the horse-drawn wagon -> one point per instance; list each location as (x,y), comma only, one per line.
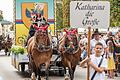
(66,54)
(43,55)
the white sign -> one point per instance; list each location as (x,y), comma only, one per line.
(84,14)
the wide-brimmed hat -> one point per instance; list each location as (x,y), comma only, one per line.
(96,33)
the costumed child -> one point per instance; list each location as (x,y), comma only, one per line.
(111,63)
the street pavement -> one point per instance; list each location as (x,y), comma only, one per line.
(8,72)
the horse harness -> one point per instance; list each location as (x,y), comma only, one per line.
(43,48)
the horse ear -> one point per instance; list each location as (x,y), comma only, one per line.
(66,31)
(46,26)
(74,31)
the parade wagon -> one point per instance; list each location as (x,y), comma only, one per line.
(36,15)
(20,59)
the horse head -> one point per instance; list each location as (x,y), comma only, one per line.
(71,42)
(41,37)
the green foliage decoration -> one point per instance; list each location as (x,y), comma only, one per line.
(18,50)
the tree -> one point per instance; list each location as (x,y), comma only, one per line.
(114,13)
(66,13)
(59,16)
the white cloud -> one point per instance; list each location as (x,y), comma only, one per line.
(7,7)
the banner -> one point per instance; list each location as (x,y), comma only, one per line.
(27,9)
(84,14)
(23,9)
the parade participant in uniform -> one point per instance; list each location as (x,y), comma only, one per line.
(97,62)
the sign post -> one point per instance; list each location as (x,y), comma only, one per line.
(89,14)
(89,37)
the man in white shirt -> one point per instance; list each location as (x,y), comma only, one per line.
(95,40)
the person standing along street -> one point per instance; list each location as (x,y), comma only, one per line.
(97,62)
(96,39)
(116,40)
(111,63)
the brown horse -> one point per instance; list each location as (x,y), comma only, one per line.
(70,51)
(40,51)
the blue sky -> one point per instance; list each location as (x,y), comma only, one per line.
(50,7)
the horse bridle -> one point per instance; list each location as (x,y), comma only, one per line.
(72,47)
(69,34)
(42,46)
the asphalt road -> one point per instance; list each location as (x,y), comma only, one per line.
(8,72)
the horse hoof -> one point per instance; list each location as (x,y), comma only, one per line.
(33,76)
(67,78)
